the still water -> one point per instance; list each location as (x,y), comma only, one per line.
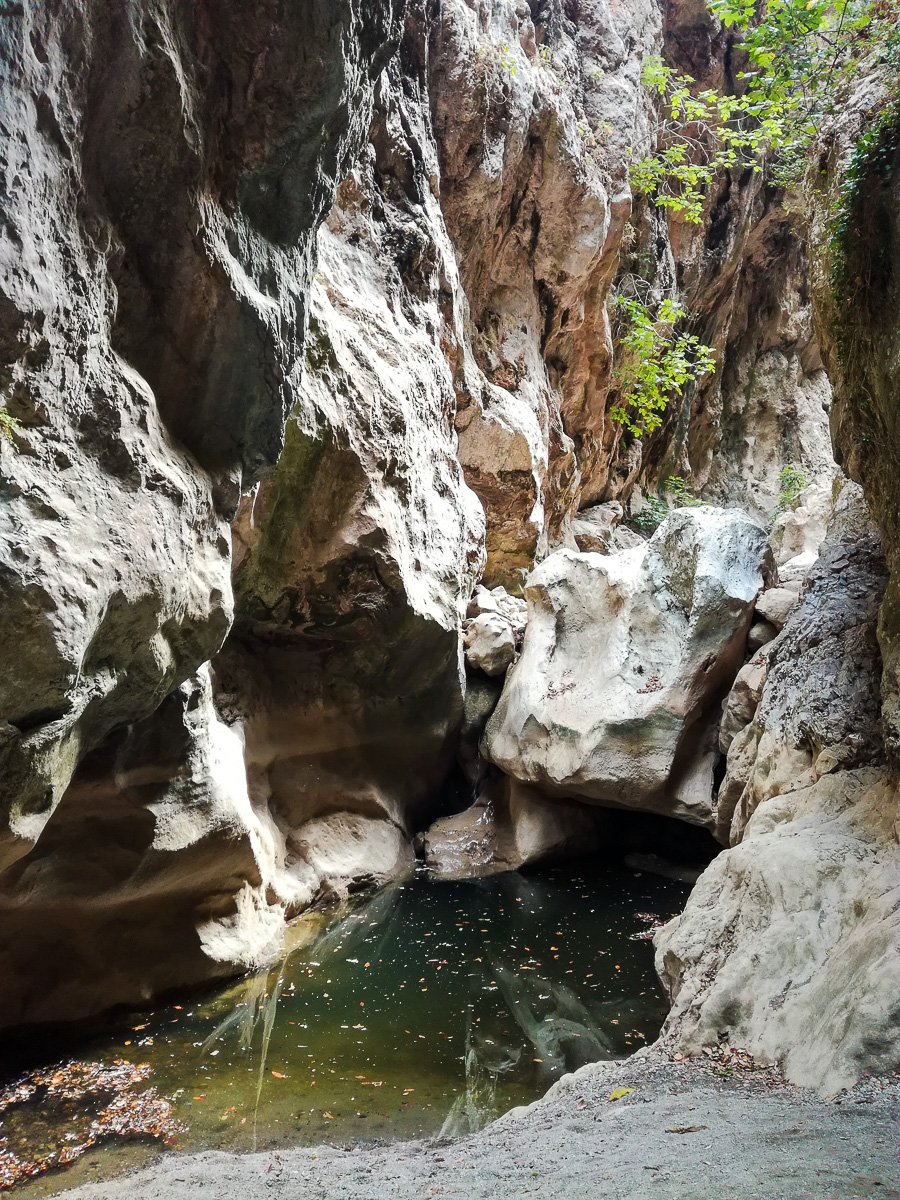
(433,1006)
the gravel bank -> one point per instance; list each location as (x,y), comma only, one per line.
(683,1133)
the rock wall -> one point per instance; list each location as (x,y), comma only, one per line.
(165,169)
(790,943)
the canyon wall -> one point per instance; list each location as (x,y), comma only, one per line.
(308,320)
(165,170)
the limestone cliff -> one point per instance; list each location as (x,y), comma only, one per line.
(165,169)
(307,315)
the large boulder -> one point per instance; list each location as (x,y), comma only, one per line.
(623,656)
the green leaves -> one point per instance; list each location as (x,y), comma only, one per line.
(8,426)
(791,483)
(700,136)
(657,363)
(804,57)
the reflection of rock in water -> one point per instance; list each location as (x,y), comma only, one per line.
(559,1035)
(487,1059)
(562,1032)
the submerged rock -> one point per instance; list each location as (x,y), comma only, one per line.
(623,655)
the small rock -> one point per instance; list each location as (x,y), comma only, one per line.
(761,633)
(490,643)
(775,605)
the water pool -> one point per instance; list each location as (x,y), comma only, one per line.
(431,1006)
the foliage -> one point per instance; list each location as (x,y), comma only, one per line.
(8,426)
(699,137)
(508,60)
(803,57)
(657,363)
(651,516)
(791,483)
(681,494)
(655,508)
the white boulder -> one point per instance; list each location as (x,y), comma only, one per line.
(623,655)
(775,605)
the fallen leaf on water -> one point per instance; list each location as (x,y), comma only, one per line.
(328,1116)
(619,1092)
(137,1027)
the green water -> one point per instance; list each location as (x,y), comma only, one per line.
(432,1006)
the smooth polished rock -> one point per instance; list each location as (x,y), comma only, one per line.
(623,655)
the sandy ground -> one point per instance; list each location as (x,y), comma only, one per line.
(684,1133)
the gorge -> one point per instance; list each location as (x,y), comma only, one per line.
(347,562)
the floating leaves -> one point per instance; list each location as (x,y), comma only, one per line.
(119,1111)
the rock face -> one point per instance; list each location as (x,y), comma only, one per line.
(131,887)
(165,169)
(355,559)
(623,656)
(789,944)
(856,294)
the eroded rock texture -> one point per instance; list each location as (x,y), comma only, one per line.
(306,338)
(355,559)
(165,168)
(789,943)
(624,657)
(856,279)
